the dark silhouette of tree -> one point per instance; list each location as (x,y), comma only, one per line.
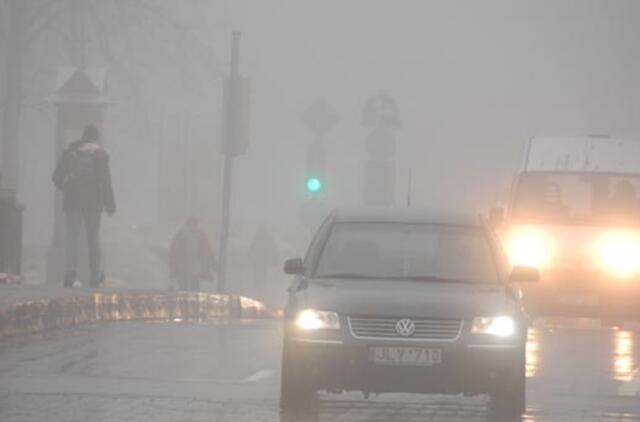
(131,38)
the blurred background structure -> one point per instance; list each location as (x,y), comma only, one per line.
(472,81)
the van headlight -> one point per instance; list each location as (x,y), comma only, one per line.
(528,247)
(619,253)
(311,320)
(499,326)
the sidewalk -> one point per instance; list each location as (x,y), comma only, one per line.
(13,294)
(26,309)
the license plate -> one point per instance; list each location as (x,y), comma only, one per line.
(578,300)
(416,356)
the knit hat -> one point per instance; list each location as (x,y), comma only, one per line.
(90,134)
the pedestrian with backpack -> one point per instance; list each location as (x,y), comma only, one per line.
(83,176)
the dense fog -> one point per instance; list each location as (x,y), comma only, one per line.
(472,82)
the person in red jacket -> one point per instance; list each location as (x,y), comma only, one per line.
(191,257)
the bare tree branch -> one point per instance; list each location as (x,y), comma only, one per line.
(132,37)
(46,23)
(42,11)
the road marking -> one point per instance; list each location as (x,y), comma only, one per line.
(259,376)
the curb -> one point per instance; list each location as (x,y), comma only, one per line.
(41,315)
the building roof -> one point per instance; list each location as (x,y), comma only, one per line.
(81,85)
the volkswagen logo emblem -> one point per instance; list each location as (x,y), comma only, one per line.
(405,328)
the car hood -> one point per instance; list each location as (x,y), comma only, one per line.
(406,298)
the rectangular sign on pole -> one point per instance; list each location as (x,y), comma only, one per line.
(237,94)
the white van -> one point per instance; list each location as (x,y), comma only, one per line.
(574,213)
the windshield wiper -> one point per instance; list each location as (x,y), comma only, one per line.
(350,275)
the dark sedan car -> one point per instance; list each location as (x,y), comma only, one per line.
(404,301)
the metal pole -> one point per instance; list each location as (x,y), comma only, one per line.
(228,165)
(409,188)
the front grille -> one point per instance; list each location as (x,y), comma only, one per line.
(385,328)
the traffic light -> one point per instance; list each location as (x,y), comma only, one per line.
(314,184)
(316,168)
(313,208)
(320,118)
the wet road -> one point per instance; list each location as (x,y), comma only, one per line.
(577,371)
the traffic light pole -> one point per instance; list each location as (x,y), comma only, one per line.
(228,167)
(224,229)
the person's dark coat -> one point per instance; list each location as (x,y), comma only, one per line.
(84,177)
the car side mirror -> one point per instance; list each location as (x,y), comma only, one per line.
(496,216)
(521,274)
(294,266)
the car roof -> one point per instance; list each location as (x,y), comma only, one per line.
(410,216)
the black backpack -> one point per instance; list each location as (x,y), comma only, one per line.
(83,170)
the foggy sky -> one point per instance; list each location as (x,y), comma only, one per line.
(473,79)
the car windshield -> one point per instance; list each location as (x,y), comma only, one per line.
(419,252)
(574,198)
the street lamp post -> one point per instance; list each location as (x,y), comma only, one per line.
(235,142)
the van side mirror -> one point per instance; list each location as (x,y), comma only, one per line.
(294,266)
(521,274)
(496,216)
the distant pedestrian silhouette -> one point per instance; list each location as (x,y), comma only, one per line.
(83,175)
(191,257)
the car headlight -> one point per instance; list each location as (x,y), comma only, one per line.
(310,320)
(528,248)
(619,253)
(500,326)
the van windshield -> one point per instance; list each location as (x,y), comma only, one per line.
(577,198)
(400,251)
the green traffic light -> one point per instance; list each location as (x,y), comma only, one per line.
(314,185)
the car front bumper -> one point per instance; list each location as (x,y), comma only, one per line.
(467,368)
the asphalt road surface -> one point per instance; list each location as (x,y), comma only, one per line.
(578,371)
